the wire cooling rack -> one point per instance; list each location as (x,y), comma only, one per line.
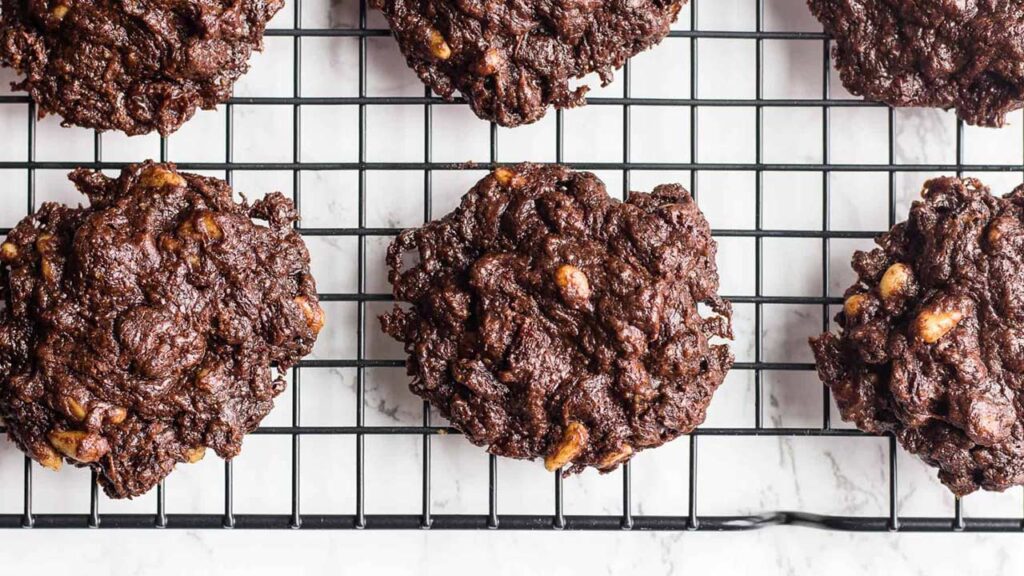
(557,518)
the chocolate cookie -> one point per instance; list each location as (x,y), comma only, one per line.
(511,60)
(549,320)
(141,330)
(130,66)
(938,53)
(931,346)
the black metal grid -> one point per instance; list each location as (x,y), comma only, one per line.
(557,519)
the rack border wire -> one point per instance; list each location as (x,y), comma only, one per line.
(558,519)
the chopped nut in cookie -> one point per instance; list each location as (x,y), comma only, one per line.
(193,455)
(504,175)
(574,440)
(573,283)
(79,445)
(8,251)
(438,47)
(158,176)
(854,304)
(897,282)
(313,313)
(616,457)
(932,324)
(48,458)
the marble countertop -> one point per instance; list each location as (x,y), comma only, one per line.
(738,475)
(781,552)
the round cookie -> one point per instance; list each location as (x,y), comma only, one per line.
(550,320)
(939,53)
(511,60)
(931,346)
(130,66)
(142,330)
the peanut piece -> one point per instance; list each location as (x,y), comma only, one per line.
(208,226)
(187,230)
(78,412)
(158,177)
(438,47)
(573,440)
(573,282)
(611,460)
(896,281)
(193,455)
(45,243)
(60,12)
(49,273)
(170,243)
(313,312)
(999,228)
(66,441)
(489,63)
(503,175)
(8,251)
(49,458)
(854,304)
(932,325)
(994,235)
(79,445)
(116,415)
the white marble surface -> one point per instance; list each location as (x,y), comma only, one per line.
(737,475)
(778,552)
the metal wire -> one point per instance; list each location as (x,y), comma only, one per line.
(558,519)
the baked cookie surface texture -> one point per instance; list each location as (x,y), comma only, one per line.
(131,66)
(549,320)
(143,329)
(931,341)
(513,59)
(936,53)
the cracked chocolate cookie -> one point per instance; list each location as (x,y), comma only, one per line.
(143,329)
(511,60)
(130,66)
(939,53)
(550,320)
(931,346)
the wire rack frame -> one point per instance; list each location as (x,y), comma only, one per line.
(557,519)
